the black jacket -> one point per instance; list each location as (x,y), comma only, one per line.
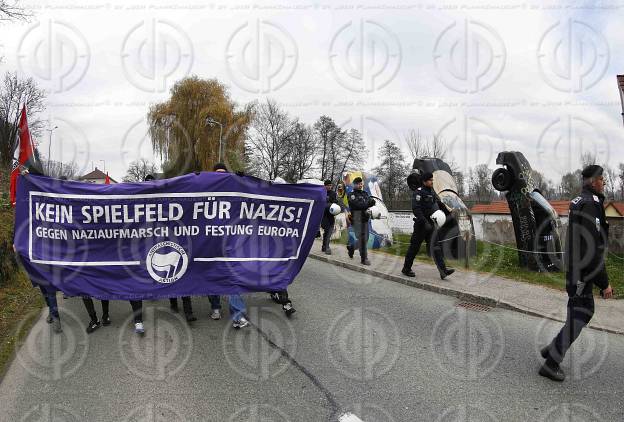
(586,244)
(329,219)
(424,203)
(359,202)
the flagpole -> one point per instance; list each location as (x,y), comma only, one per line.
(50,147)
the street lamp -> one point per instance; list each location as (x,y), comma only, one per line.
(212,122)
(50,146)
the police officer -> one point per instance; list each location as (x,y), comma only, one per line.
(424,203)
(328,221)
(359,203)
(586,245)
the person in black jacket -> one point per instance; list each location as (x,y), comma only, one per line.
(586,246)
(359,203)
(328,221)
(424,203)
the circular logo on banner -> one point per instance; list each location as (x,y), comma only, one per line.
(167,262)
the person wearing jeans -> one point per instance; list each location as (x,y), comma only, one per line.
(137,311)
(53,318)
(237,306)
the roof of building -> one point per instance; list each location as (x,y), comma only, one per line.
(619,207)
(561,207)
(96,174)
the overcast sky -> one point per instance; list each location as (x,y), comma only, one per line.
(485,76)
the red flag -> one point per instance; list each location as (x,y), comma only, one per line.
(107,180)
(26,151)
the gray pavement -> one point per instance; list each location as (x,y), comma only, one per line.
(358,343)
(479,287)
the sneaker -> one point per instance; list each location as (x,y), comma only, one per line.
(49,319)
(408,273)
(138,328)
(56,326)
(190,318)
(216,314)
(106,320)
(551,370)
(93,325)
(366,262)
(240,323)
(288,309)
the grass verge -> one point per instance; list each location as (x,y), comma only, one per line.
(503,262)
(18,300)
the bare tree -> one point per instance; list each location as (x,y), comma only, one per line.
(480,184)
(14,94)
(301,153)
(11,11)
(60,170)
(571,185)
(611,182)
(420,147)
(353,152)
(587,159)
(621,180)
(415,144)
(329,137)
(139,169)
(461,183)
(270,136)
(392,171)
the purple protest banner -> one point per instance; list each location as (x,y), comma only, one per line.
(198,234)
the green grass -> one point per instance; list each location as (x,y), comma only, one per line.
(19,301)
(503,262)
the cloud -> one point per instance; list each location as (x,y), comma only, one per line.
(381,68)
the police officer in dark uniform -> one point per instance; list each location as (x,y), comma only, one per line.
(586,245)
(424,203)
(328,221)
(359,203)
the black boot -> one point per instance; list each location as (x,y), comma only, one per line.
(551,370)
(408,272)
(350,250)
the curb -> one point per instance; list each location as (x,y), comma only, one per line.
(463,296)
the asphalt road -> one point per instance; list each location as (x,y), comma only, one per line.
(358,344)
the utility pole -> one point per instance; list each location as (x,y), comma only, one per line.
(620,81)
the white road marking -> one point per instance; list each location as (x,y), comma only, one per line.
(349,417)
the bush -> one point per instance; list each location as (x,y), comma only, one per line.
(8,264)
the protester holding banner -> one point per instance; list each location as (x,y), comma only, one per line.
(193,235)
(95,323)
(237,305)
(329,219)
(53,314)
(187,306)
